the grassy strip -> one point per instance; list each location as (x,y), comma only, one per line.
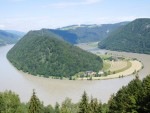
(104,57)
(93,44)
(106,66)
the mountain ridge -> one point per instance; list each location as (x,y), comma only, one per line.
(9,37)
(133,37)
(91,33)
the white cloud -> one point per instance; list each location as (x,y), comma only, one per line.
(28,23)
(92,1)
(2,27)
(106,20)
(71,4)
(35,23)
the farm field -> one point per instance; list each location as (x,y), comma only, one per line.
(117,65)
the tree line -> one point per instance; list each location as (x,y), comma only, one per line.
(133,98)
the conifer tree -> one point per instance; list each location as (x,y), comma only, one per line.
(34,104)
(95,106)
(99,109)
(145,99)
(57,109)
(84,106)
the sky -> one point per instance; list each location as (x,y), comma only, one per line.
(26,15)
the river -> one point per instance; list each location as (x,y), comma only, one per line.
(51,91)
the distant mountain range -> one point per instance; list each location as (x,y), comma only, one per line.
(125,36)
(89,33)
(133,37)
(85,33)
(9,36)
(19,33)
(44,53)
(73,34)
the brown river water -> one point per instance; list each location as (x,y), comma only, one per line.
(51,91)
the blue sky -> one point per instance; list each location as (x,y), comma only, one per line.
(25,15)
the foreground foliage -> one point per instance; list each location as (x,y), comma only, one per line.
(43,53)
(133,98)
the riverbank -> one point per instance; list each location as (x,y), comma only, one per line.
(136,67)
(121,68)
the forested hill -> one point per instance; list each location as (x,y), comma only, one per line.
(91,33)
(8,38)
(134,37)
(44,53)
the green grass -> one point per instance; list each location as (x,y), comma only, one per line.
(93,44)
(106,66)
(104,57)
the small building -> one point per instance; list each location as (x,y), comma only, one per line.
(101,72)
(91,73)
(88,73)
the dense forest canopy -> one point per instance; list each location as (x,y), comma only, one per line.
(133,37)
(44,53)
(133,98)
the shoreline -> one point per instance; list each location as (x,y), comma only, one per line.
(136,66)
